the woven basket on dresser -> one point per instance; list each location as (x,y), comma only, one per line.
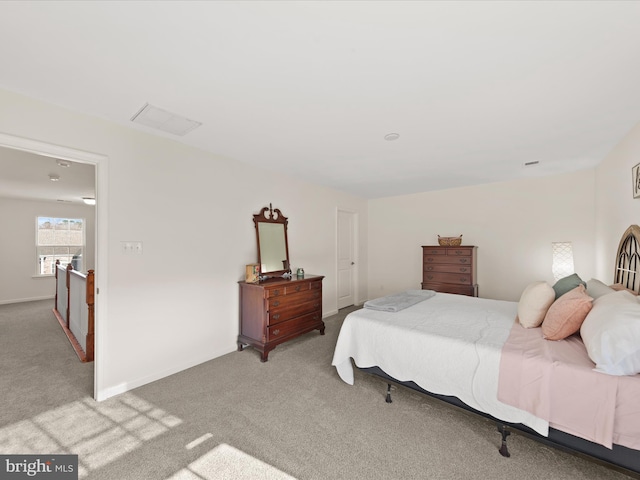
(450,241)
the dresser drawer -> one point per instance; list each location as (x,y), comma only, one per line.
(274,292)
(447,268)
(454,278)
(434,251)
(293,299)
(457,252)
(291,327)
(458,260)
(470,290)
(296,287)
(283,314)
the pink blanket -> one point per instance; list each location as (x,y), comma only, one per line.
(555,381)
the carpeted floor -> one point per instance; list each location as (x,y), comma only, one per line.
(235,417)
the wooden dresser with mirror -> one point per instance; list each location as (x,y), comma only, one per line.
(279,306)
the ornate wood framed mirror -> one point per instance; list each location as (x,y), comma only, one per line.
(273,247)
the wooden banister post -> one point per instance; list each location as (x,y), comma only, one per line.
(69,268)
(55,304)
(90,314)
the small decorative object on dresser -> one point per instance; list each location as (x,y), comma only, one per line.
(252,273)
(449,241)
(450,269)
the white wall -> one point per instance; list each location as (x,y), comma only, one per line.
(616,209)
(512,223)
(17,244)
(177,304)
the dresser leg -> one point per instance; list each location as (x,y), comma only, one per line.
(264,356)
(322,329)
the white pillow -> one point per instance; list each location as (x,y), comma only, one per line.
(596,288)
(611,334)
(534,303)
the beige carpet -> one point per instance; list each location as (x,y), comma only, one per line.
(224,462)
(289,417)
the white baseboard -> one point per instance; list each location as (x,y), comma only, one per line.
(32,299)
(108,392)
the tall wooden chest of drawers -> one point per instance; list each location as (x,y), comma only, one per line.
(450,269)
(277,310)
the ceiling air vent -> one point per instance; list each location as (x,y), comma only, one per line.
(155,117)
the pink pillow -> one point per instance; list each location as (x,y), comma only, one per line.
(566,314)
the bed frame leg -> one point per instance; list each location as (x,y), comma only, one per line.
(388,399)
(504,451)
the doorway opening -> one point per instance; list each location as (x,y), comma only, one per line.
(100,163)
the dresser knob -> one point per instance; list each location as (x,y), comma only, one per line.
(429,259)
(298,288)
(430,277)
(462,279)
(429,268)
(458,252)
(276,331)
(276,316)
(463,260)
(276,303)
(463,269)
(316,305)
(276,292)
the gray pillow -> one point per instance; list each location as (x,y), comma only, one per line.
(567,284)
(596,289)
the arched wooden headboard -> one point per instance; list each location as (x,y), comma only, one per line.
(627,272)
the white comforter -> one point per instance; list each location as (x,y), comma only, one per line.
(448,344)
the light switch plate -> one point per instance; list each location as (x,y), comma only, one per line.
(131,248)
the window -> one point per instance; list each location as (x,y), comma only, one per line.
(59,239)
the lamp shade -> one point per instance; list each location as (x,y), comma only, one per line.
(562,265)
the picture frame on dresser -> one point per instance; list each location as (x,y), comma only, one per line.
(252,273)
(450,269)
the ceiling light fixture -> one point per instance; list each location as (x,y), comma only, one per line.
(53,177)
(391,136)
(528,164)
(89,200)
(63,163)
(163,120)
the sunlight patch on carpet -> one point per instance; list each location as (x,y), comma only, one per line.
(225,462)
(98,433)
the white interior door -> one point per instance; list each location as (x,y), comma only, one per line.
(346,261)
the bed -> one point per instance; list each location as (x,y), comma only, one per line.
(477,354)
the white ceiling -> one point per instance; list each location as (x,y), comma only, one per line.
(26,176)
(474,88)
